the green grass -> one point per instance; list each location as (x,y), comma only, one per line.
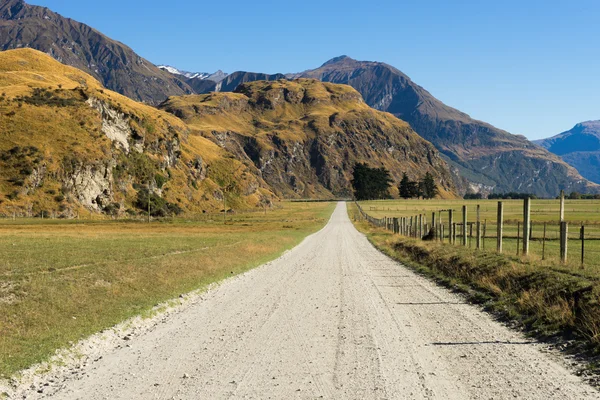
(577,213)
(61,281)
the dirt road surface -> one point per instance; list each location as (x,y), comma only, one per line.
(332,319)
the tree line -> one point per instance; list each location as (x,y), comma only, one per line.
(375,184)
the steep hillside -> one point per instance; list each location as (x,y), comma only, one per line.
(489,158)
(579,147)
(115,65)
(68,145)
(303,136)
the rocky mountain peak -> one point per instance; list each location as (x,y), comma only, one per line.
(588,127)
(10,8)
(338,60)
(579,147)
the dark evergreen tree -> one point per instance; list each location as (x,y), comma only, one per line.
(413,190)
(371,183)
(408,189)
(403,188)
(428,187)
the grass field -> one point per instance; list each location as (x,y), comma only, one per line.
(577,213)
(61,281)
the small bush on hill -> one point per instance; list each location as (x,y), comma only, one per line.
(159,207)
(43,97)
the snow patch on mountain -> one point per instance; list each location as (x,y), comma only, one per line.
(189,75)
(216,76)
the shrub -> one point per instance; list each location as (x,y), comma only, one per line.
(43,97)
(159,207)
(160,180)
(112,209)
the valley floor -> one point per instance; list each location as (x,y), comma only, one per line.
(333,318)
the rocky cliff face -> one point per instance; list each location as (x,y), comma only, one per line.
(579,147)
(303,137)
(486,158)
(67,144)
(115,65)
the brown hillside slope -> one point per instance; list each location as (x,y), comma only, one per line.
(489,158)
(304,136)
(67,144)
(117,66)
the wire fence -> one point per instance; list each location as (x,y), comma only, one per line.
(568,242)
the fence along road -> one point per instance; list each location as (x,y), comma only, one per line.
(336,319)
(523,230)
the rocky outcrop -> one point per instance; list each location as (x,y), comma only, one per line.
(91,185)
(115,125)
(77,145)
(304,137)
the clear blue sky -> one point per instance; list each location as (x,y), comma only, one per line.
(530,67)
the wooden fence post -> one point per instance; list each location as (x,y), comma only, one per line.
(470,234)
(484,232)
(499,226)
(454,233)
(464,226)
(564,231)
(544,243)
(441,224)
(562,205)
(450,223)
(526,225)
(518,235)
(433,225)
(478,240)
(582,246)
(416,232)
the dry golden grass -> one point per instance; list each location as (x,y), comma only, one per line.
(230,111)
(75,132)
(61,281)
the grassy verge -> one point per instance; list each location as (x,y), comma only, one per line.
(547,300)
(543,212)
(61,282)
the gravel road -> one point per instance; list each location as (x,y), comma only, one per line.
(334,319)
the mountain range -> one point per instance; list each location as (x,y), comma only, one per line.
(580,147)
(214,77)
(482,158)
(68,145)
(486,158)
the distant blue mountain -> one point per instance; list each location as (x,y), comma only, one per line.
(579,147)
